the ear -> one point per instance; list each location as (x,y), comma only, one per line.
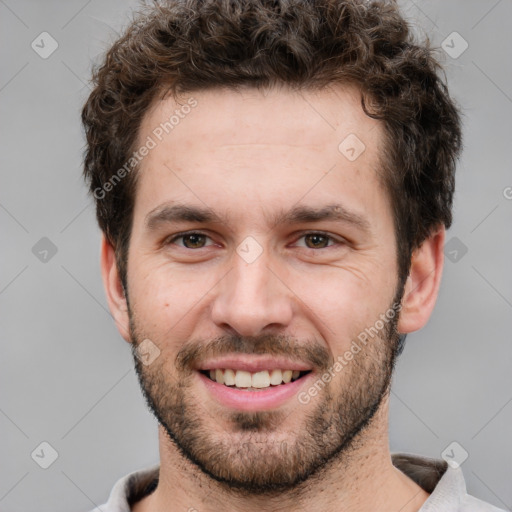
(114,289)
(422,286)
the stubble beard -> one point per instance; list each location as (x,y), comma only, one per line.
(256,455)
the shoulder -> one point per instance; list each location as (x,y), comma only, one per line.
(444,482)
(129,489)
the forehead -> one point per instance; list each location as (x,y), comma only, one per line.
(269,116)
(259,143)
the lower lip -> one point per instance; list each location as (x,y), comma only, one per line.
(263,400)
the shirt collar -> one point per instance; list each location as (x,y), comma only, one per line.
(444,483)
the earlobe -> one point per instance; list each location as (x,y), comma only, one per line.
(113,289)
(422,286)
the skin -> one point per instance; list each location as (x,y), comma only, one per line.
(249,156)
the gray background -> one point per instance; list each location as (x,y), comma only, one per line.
(66,376)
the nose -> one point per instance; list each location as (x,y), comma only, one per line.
(252,299)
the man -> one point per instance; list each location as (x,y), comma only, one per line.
(273,180)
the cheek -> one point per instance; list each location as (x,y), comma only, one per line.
(167,300)
(173,302)
(340,303)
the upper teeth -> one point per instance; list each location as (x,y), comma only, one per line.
(244,379)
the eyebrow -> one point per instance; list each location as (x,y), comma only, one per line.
(169,213)
(333,212)
(173,213)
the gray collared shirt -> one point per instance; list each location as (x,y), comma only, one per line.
(445,484)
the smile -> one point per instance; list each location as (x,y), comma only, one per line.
(248,383)
(253,381)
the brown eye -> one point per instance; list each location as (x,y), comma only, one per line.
(317,240)
(194,241)
(190,240)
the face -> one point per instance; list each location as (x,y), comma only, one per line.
(262,254)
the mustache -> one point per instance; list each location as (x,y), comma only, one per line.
(195,352)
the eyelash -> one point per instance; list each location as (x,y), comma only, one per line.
(171,240)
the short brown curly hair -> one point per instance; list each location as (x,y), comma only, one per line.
(182,46)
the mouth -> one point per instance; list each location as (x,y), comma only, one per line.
(253,384)
(253,381)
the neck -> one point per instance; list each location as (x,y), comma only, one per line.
(363,478)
